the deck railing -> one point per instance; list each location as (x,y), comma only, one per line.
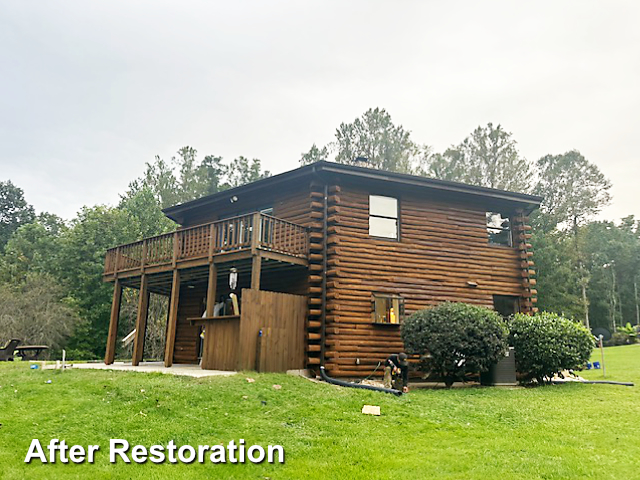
(204,241)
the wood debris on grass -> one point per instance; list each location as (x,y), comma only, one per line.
(567,376)
(372,383)
(371,410)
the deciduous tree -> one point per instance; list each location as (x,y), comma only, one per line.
(315,154)
(81,256)
(14,210)
(37,311)
(574,190)
(488,157)
(33,248)
(373,141)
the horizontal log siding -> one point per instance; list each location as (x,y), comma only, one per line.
(291,204)
(188,336)
(442,246)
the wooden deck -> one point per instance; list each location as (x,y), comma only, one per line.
(222,241)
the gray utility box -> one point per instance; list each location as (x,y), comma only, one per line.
(502,373)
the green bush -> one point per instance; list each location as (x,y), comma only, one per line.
(546,344)
(629,331)
(459,339)
(620,338)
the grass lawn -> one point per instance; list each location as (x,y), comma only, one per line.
(563,431)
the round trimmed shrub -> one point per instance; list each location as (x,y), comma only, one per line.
(546,344)
(458,338)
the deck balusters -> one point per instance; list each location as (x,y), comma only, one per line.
(202,241)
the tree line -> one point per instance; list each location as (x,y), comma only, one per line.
(51,288)
(587,269)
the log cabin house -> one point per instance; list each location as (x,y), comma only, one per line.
(328,259)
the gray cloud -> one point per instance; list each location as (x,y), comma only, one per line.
(92,90)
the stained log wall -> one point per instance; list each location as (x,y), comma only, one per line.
(290,204)
(442,247)
(187,343)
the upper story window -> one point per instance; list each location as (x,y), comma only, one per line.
(383,216)
(499,229)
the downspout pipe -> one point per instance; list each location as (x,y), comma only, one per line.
(594,382)
(335,381)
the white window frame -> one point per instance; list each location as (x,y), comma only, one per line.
(396,218)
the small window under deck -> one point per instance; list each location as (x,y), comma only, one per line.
(387,309)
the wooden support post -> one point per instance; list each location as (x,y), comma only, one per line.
(117,260)
(212,240)
(113,323)
(143,260)
(174,259)
(141,321)
(256,233)
(211,301)
(211,288)
(256,268)
(173,319)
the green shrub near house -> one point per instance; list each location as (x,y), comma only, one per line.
(624,335)
(546,344)
(458,337)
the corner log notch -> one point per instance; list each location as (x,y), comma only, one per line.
(522,237)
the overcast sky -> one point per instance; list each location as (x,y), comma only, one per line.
(90,91)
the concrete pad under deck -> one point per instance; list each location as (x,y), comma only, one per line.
(150,367)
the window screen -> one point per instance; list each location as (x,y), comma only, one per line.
(383,216)
(388,309)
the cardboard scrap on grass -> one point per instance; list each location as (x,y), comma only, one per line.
(371,410)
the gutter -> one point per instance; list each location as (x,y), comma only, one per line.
(433,183)
(526,201)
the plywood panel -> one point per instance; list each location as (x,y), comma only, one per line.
(221,341)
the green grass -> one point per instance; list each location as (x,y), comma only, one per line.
(564,431)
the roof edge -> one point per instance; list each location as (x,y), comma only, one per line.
(531,201)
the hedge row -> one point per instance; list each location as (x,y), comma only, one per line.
(461,338)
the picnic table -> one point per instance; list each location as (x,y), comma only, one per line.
(6,352)
(31,352)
